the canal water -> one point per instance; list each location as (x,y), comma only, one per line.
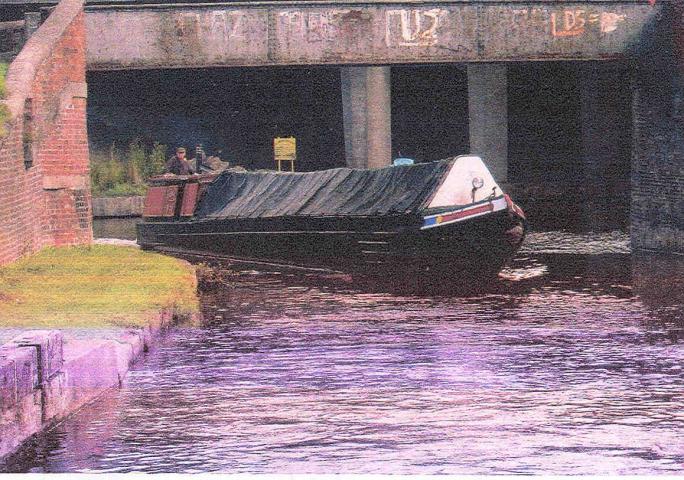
(571,363)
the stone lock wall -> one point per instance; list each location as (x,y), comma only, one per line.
(44,175)
(45,376)
(109,207)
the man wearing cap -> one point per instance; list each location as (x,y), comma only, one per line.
(178,164)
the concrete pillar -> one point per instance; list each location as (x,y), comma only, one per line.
(488,116)
(366,107)
(657,203)
(657,194)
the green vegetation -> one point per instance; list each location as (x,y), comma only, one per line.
(117,174)
(4,112)
(3,73)
(93,286)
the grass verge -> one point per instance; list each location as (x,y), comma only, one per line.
(4,111)
(93,286)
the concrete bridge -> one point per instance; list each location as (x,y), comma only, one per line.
(366,39)
(348,33)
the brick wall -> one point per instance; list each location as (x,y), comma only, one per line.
(657,206)
(47,202)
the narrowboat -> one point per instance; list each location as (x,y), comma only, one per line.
(447,218)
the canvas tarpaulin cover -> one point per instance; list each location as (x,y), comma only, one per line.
(341,191)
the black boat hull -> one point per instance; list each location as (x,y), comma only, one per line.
(387,246)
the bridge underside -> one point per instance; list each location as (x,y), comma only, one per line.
(563,127)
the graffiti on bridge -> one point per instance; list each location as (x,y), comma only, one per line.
(575,22)
(412,28)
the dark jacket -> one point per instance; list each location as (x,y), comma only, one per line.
(179,167)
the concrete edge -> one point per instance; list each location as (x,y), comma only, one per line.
(43,380)
(38,48)
(113,207)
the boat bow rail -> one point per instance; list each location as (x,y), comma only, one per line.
(465,213)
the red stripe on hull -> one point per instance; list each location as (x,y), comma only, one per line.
(466,213)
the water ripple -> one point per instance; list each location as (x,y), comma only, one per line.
(574,370)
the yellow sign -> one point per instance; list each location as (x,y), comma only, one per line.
(285,148)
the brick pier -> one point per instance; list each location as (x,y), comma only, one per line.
(44,175)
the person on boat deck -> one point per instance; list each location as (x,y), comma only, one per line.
(178,164)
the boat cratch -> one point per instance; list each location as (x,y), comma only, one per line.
(446,218)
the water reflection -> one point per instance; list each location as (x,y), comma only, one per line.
(570,364)
(659,284)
